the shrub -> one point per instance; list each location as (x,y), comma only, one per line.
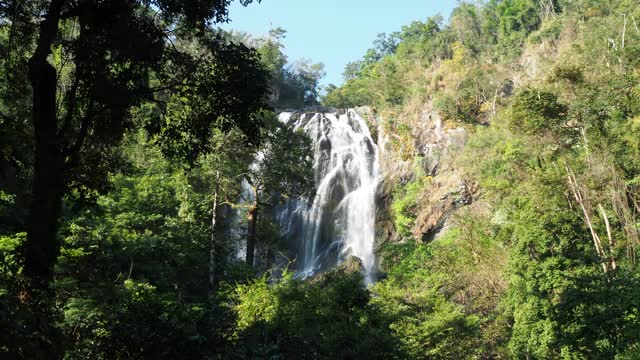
(536,111)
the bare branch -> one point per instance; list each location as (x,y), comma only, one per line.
(624,30)
(575,188)
(611,241)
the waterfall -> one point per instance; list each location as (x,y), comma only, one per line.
(339,220)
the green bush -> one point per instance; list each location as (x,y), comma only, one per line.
(323,318)
(550,30)
(536,111)
(426,323)
(406,199)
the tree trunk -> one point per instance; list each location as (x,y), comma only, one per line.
(41,248)
(213,244)
(252,218)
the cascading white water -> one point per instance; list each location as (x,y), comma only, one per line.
(339,221)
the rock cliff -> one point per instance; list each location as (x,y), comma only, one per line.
(435,144)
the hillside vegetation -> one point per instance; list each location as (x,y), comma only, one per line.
(543,263)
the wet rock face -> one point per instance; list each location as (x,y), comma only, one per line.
(449,189)
(448,193)
(352,265)
(437,144)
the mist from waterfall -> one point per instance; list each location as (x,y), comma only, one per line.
(339,220)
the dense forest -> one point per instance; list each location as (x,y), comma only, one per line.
(142,160)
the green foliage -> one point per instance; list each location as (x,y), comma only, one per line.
(301,84)
(325,318)
(282,165)
(377,79)
(406,199)
(292,85)
(422,318)
(549,30)
(558,292)
(609,111)
(185,122)
(463,104)
(21,330)
(15,129)
(271,52)
(573,74)
(404,206)
(9,266)
(282,168)
(517,19)
(535,111)
(133,321)
(118,299)
(352,93)
(79,71)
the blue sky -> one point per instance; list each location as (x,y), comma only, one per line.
(333,32)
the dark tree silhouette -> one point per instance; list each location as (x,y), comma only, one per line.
(123,53)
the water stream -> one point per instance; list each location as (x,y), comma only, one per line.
(338,222)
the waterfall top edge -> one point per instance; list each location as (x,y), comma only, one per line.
(325,109)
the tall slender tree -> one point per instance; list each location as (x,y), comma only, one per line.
(283,166)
